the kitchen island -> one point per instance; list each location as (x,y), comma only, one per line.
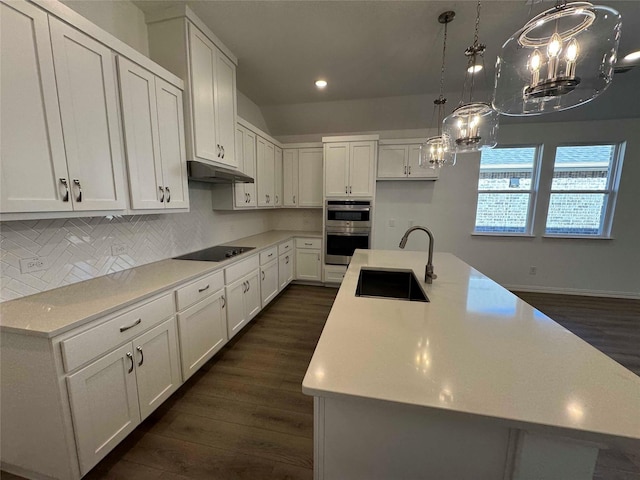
(475,384)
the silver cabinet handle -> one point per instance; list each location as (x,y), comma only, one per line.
(248,286)
(76,182)
(276,198)
(64,183)
(246,198)
(249,197)
(287,259)
(270,255)
(224,302)
(308,244)
(168,194)
(409,169)
(405,169)
(139,349)
(222,151)
(200,290)
(244,287)
(294,199)
(137,322)
(161,191)
(131,359)
(346,189)
(218,145)
(263,275)
(318,257)
(350,192)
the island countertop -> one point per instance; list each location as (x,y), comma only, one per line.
(475,348)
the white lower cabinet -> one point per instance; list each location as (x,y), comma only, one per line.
(110,396)
(269,281)
(243,302)
(203,332)
(285,270)
(308,259)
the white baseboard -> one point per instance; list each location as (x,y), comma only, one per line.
(573,291)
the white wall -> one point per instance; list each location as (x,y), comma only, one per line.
(120,18)
(251,112)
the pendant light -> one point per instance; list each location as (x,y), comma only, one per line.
(560,59)
(472,126)
(434,153)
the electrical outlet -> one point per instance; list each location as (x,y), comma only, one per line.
(392,222)
(33,264)
(533,270)
(119,249)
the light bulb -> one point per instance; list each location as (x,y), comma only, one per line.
(572,51)
(535,61)
(555,45)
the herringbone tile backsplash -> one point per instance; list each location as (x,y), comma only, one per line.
(77,249)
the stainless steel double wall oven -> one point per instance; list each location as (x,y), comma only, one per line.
(347,227)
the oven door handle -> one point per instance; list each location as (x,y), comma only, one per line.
(348,234)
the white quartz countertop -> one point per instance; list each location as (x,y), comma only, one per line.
(475,348)
(56,311)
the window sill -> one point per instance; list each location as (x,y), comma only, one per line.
(501,234)
(579,237)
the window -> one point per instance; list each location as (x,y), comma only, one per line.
(506,190)
(585,180)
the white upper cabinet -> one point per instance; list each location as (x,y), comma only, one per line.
(265,177)
(85,77)
(32,156)
(277,180)
(245,193)
(310,177)
(290,177)
(399,160)
(213,100)
(350,168)
(154,139)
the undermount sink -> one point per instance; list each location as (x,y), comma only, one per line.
(390,283)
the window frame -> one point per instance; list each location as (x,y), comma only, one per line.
(532,192)
(611,191)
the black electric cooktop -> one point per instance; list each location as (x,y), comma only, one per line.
(215,254)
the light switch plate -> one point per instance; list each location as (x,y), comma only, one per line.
(33,264)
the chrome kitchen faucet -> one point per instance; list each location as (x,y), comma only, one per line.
(429,276)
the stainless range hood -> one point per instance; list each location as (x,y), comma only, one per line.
(203,172)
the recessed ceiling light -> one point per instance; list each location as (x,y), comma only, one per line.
(474,68)
(321,83)
(632,56)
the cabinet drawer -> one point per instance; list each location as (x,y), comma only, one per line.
(285,247)
(201,288)
(88,345)
(234,272)
(308,243)
(268,255)
(334,273)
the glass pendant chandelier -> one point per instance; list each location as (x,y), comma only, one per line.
(560,59)
(472,126)
(434,153)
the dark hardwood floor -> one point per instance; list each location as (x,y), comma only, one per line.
(243,416)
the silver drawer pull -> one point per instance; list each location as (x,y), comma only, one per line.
(200,290)
(168,194)
(64,183)
(161,191)
(224,302)
(308,244)
(263,275)
(131,359)
(270,255)
(76,182)
(137,322)
(139,348)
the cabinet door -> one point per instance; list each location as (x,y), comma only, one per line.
(140,118)
(104,405)
(240,199)
(269,282)
(249,149)
(285,270)
(203,332)
(290,177)
(361,169)
(172,148)
(202,63)
(265,177)
(336,169)
(157,366)
(277,173)
(85,76)
(310,178)
(236,316)
(252,296)
(392,161)
(225,101)
(32,155)
(308,265)
(414,170)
